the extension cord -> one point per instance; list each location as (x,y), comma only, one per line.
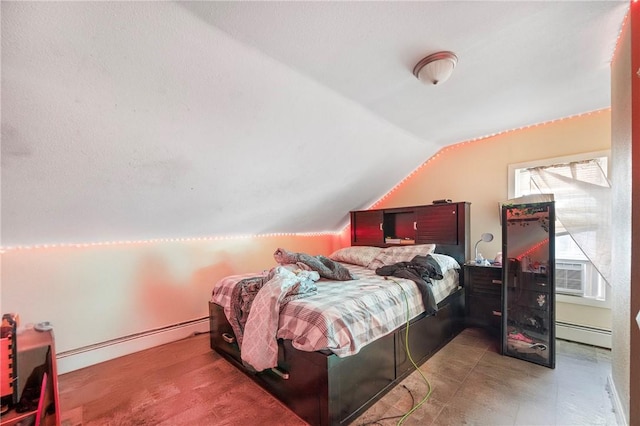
(406,343)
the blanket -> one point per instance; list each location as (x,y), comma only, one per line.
(260,348)
(245,291)
(256,301)
(421,270)
(324,266)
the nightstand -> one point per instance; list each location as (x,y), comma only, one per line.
(483,288)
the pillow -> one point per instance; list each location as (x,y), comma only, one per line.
(356,255)
(391,255)
(445,262)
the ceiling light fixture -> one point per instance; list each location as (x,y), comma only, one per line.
(436,68)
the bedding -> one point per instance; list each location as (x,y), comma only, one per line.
(344,316)
(396,254)
(326,267)
(356,255)
(292,283)
(260,350)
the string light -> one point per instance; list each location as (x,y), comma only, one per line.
(440,152)
(533,249)
(619,37)
(458,145)
(168,240)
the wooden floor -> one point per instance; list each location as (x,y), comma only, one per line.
(185,383)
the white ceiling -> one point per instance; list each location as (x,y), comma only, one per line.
(136,120)
(519,62)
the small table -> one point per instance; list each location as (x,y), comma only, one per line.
(483,288)
(36,348)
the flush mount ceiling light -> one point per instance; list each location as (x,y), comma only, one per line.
(435,68)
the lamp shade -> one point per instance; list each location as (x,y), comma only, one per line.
(486,237)
(436,68)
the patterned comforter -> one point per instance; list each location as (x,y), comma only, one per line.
(344,316)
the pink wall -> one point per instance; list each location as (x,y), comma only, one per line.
(98,293)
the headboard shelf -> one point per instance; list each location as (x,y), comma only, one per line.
(446,225)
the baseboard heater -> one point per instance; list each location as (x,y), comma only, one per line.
(84,356)
(583,334)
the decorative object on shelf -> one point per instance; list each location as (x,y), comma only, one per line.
(528,320)
(43,326)
(436,68)
(486,237)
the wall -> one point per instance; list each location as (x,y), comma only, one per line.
(634,352)
(625,90)
(476,171)
(621,154)
(96,294)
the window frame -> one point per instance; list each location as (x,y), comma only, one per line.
(511,189)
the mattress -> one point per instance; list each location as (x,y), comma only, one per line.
(344,316)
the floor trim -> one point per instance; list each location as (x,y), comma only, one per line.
(583,334)
(85,356)
(615,399)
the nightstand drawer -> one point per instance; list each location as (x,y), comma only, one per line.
(483,286)
(484,280)
(486,312)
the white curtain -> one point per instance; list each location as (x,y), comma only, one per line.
(582,196)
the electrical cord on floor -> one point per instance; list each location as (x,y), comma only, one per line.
(406,345)
(414,406)
(377,421)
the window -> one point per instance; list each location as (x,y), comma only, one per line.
(576,275)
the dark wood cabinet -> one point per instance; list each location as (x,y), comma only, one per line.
(366,228)
(36,362)
(412,225)
(432,221)
(483,287)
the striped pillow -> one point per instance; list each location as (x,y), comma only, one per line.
(391,255)
(356,255)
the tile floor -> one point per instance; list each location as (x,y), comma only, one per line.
(472,384)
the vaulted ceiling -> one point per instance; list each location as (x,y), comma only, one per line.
(138,120)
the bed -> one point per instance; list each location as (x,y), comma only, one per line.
(333,381)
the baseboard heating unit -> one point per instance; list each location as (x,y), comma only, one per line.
(583,334)
(99,352)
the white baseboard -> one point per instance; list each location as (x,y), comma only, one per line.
(615,399)
(83,357)
(582,334)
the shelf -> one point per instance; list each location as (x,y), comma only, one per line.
(529,296)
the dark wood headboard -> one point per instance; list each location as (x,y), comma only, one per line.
(445,225)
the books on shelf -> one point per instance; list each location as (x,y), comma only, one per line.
(399,241)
